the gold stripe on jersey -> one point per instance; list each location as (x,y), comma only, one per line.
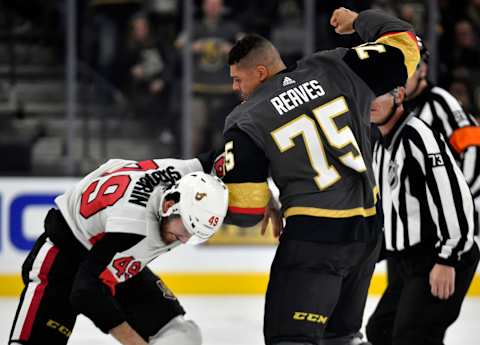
(331,213)
(407,43)
(248,195)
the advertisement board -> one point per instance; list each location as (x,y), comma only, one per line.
(235,261)
(24,202)
(23,206)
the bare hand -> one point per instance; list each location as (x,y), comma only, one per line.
(156,86)
(272,212)
(126,335)
(198,46)
(225,47)
(137,71)
(342,20)
(442,281)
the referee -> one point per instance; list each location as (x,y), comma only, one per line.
(429,225)
(440,110)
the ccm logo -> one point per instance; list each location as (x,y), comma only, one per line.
(62,329)
(303,316)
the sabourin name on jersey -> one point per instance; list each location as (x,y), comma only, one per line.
(297,95)
(145,185)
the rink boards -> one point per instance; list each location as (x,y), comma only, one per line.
(236,262)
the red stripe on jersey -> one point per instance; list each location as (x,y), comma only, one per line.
(241,210)
(96,238)
(139,166)
(38,294)
(109,280)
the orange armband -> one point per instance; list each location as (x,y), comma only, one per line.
(464,137)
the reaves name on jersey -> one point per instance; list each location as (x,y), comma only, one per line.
(297,96)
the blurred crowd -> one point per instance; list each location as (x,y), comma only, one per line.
(140,50)
(458,54)
(136,45)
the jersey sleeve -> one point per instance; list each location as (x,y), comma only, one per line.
(453,118)
(119,224)
(90,296)
(245,170)
(463,134)
(390,55)
(179,167)
(471,158)
(463,138)
(207,159)
(128,263)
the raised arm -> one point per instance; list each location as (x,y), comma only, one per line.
(391,53)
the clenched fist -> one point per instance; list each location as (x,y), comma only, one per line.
(342,20)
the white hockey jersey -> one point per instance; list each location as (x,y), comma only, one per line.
(124,196)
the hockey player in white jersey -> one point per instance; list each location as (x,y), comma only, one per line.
(92,257)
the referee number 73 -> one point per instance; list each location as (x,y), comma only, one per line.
(436,160)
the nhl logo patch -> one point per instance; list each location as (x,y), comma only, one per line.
(393,174)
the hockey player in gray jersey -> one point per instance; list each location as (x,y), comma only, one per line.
(92,258)
(308,125)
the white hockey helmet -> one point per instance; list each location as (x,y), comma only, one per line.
(202,204)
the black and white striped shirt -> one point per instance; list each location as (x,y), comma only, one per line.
(425,198)
(444,114)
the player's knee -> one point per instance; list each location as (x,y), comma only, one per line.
(178,331)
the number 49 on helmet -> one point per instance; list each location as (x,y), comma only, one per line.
(202,204)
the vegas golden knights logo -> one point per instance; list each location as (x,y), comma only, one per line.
(199,196)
